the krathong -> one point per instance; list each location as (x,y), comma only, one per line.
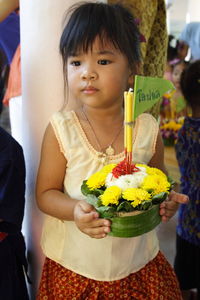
(169,130)
(128,194)
(122,197)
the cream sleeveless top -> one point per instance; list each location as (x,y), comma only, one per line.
(110,258)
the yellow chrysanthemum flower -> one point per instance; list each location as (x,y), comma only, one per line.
(151,170)
(111,195)
(96,180)
(107,169)
(156,183)
(155,171)
(136,195)
(171,125)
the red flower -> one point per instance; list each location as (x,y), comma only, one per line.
(123,168)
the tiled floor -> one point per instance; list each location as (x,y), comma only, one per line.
(167,238)
(167,231)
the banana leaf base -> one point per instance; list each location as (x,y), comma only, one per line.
(127,225)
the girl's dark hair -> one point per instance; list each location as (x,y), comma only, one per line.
(190,83)
(109,22)
(172,49)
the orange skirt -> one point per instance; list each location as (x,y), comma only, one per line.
(156,281)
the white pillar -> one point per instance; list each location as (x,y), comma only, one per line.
(42,94)
(193,10)
(177,16)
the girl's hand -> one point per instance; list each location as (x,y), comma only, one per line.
(169,207)
(88,221)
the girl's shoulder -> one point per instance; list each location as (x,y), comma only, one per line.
(62,115)
(147,119)
(62,121)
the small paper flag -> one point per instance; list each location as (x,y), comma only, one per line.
(148,91)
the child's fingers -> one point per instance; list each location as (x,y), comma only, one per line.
(169,207)
(84,210)
(168,210)
(88,221)
(177,197)
(97,232)
(96,228)
(86,207)
(92,220)
(86,213)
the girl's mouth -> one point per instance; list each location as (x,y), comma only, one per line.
(89,90)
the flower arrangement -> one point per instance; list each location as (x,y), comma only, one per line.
(128,194)
(116,194)
(169,130)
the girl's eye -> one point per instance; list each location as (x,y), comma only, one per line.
(75,63)
(104,62)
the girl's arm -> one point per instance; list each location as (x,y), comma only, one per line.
(49,186)
(49,191)
(169,207)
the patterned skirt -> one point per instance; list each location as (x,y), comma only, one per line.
(156,281)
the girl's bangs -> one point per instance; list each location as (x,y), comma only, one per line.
(82,41)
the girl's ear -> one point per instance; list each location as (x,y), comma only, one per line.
(131,80)
(137,70)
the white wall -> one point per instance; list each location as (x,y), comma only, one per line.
(42,93)
(180,13)
(177,16)
(194,10)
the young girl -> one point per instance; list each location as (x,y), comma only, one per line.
(100,50)
(178,104)
(172,56)
(174,105)
(187,262)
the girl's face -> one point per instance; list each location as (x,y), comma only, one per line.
(176,75)
(99,77)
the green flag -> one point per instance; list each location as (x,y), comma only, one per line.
(147,91)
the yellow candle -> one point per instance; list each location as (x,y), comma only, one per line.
(129,106)
(129,132)
(125,121)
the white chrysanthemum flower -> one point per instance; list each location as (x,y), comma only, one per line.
(143,169)
(127,181)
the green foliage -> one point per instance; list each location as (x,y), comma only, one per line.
(146,205)
(93,200)
(159,198)
(172,182)
(106,211)
(125,206)
(85,189)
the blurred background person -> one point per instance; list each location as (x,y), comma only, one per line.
(172,56)
(10,40)
(189,39)
(187,260)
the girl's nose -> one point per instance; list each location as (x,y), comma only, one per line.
(89,75)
